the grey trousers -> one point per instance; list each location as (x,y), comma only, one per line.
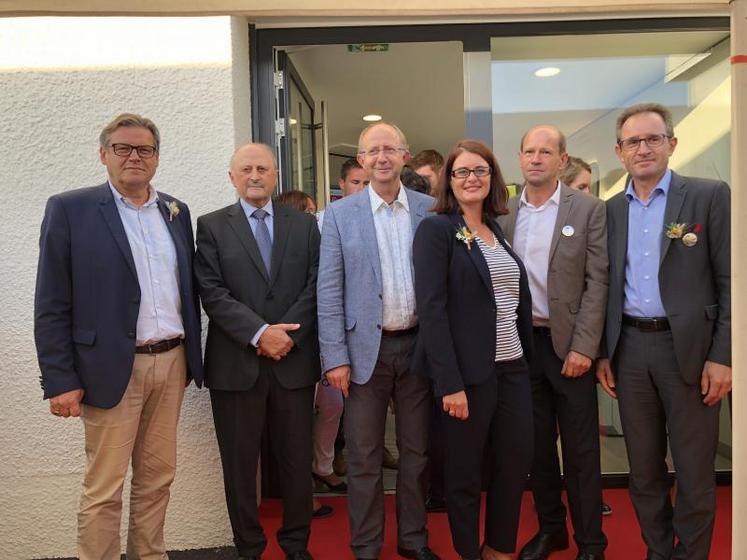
(655,402)
(364,423)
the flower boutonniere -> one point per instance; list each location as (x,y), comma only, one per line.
(466,236)
(174,210)
(686,232)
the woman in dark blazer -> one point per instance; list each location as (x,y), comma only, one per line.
(474,312)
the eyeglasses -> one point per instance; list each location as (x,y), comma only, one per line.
(386,150)
(463,172)
(652,141)
(124,150)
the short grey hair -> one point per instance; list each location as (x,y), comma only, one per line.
(127,120)
(663,112)
(394,127)
(255,144)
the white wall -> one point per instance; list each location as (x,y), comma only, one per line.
(61,81)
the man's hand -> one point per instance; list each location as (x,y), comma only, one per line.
(575,365)
(455,405)
(605,377)
(66,404)
(715,382)
(275,342)
(339,377)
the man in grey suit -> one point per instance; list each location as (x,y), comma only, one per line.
(367,332)
(560,234)
(668,332)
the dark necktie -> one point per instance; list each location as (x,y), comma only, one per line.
(262,236)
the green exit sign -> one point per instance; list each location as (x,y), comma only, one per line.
(368,47)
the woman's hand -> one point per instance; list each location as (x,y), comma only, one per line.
(456,405)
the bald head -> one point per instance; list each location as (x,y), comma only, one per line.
(554,130)
(379,125)
(254,173)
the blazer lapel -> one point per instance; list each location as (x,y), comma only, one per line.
(368,230)
(417,212)
(675,199)
(182,255)
(281,228)
(620,209)
(240,225)
(564,210)
(111,216)
(473,251)
(513,210)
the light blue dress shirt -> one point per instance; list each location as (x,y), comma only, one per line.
(269,220)
(645,231)
(159,317)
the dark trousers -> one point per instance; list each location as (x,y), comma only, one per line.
(436,452)
(500,415)
(654,400)
(239,418)
(569,404)
(365,424)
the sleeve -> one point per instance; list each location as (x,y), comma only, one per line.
(719,247)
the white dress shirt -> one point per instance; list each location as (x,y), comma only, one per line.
(160,314)
(394,239)
(532,239)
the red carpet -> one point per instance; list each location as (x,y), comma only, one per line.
(330,537)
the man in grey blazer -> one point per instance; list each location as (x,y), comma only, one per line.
(367,332)
(668,332)
(560,235)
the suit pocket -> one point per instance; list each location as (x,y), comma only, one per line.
(711,312)
(83,336)
(349,324)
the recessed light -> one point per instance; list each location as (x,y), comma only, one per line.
(292,121)
(371,118)
(547,72)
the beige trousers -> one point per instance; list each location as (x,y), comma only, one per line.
(141,428)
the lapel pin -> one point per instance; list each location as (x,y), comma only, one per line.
(568,231)
(689,239)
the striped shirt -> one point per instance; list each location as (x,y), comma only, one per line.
(504,275)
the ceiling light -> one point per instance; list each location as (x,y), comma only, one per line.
(293,121)
(547,72)
(371,118)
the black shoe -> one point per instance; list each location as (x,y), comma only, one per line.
(434,504)
(424,553)
(542,544)
(250,557)
(590,556)
(339,488)
(606,509)
(299,555)
(322,511)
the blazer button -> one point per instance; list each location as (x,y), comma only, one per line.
(380,296)
(130,335)
(378,327)
(136,300)
(270,295)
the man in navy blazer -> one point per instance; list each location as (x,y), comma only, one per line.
(367,333)
(117,332)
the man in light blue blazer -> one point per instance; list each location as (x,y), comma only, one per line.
(367,333)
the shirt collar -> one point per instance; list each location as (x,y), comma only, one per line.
(554,199)
(661,188)
(377,201)
(249,209)
(152,199)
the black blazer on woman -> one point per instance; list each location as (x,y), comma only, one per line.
(456,306)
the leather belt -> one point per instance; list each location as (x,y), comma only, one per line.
(158,347)
(647,324)
(539,329)
(402,332)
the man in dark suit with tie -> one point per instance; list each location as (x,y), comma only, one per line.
(560,236)
(668,331)
(117,329)
(256,267)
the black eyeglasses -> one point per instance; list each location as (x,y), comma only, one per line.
(652,141)
(463,172)
(124,150)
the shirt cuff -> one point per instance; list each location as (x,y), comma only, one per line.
(260,332)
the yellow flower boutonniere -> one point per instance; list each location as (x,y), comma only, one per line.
(173,210)
(686,232)
(466,236)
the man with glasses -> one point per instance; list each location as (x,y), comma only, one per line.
(367,332)
(668,332)
(560,235)
(117,331)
